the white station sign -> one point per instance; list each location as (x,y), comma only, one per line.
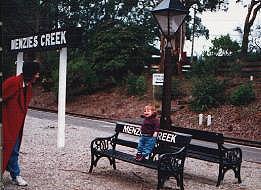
(157,79)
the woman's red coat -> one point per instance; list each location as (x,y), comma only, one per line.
(14,112)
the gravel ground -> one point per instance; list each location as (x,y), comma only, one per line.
(47,168)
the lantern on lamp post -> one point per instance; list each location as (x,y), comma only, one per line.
(169,14)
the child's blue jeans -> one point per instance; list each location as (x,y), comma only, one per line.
(13,166)
(146,145)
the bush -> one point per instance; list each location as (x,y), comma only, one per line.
(207,93)
(136,85)
(234,69)
(242,95)
(141,86)
(204,68)
(216,66)
(131,84)
(224,46)
(81,78)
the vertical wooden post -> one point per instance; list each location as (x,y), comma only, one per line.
(200,119)
(62,98)
(19,63)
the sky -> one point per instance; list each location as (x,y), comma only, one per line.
(220,23)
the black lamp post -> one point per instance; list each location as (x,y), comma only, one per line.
(170,15)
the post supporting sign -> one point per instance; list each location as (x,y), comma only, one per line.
(62,98)
(19,63)
(58,39)
(157,83)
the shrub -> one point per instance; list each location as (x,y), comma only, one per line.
(141,86)
(207,93)
(204,68)
(234,69)
(81,78)
(224,46)
(131,84)
(136,85)
(242,95)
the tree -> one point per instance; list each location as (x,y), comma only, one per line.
(118,50)
(224,46)
(253,9)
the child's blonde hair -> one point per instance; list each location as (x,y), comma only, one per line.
(152,107)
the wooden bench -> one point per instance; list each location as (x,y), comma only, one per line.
(209,146)
(167,158)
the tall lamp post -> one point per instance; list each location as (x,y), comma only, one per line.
(169,14)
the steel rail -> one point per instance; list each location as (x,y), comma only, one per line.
(226,138)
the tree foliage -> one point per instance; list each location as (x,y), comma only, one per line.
(119,35)
(224,46)
(207,93)
(118,50)
(242,95)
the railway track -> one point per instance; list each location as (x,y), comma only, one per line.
(232,140)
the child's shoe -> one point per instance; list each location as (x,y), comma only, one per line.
(139,157)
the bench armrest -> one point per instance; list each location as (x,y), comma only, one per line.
(103,143)
(231,155)
(172,162)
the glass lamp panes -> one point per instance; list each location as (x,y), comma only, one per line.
(174,22)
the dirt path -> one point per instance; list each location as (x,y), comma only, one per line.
(47,168)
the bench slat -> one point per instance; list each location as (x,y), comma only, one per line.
(202,135)
(126,143)
(129,158)
(201,156)
(204,149)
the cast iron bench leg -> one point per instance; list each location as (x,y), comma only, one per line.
(220,174)
(112,162)
(181,181)
(237,173)
(92,160)
(161,181)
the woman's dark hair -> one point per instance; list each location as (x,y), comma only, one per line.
(30,68)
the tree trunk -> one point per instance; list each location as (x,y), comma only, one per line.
(253,8)
(245,40)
